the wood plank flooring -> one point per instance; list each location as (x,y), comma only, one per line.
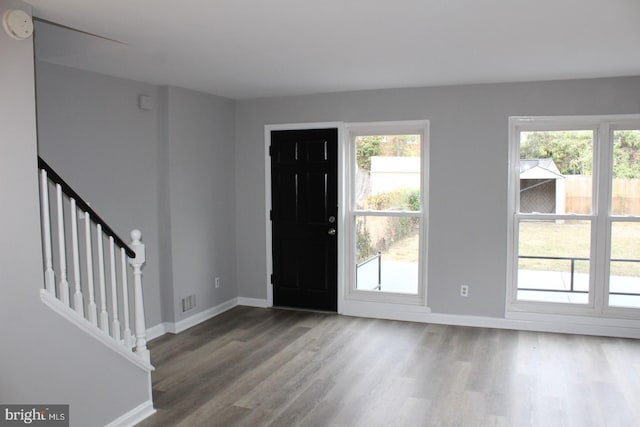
(264,367)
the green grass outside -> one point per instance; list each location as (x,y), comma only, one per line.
(572,239)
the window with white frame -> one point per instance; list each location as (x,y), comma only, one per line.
(388,207)
(574,222)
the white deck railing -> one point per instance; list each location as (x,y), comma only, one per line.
(85,246)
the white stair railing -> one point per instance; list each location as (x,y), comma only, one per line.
(114,316)
(137,263)
(49,276)
(78,303)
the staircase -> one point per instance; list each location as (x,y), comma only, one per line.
(88,269)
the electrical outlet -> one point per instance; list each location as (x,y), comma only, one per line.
(217,282)
(464,290)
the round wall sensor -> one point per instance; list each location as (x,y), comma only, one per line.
(17,24)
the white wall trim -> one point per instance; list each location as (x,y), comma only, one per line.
(175,328)
(386,310)
(134,416)
(157,331)
(84,325)
(252,302)
(189,322)
(581,325)
(619,328)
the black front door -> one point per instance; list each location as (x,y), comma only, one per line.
(304,200)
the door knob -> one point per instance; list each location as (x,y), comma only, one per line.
(331,232)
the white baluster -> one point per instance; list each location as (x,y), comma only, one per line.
(93,314)
(115,323)
(128,343)
(78,303)
(64,285)
(136,263)
(104,316)
(49,276)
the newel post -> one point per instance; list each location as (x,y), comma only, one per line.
(136,263)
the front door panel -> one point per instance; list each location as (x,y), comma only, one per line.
(304,198)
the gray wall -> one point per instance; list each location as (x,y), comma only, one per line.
(44,359)
(200,154)
(168,172)
(197,221)
(468,161)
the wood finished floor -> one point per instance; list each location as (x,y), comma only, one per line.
(262,367)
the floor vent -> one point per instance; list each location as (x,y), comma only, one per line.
(188,303)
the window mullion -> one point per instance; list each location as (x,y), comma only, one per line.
(553,217)
(601,240)
(416,214)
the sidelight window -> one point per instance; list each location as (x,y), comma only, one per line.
(388,210)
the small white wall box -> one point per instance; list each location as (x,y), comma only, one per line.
(145,102)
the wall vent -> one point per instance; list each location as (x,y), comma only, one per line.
(188,303)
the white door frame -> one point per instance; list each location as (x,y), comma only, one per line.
(341,201)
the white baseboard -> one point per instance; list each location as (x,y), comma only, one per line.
(134,416)
(618,328)
(252,302)
(184,324)
(157,331)
(191,321)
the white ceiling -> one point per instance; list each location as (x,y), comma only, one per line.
(258,48)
